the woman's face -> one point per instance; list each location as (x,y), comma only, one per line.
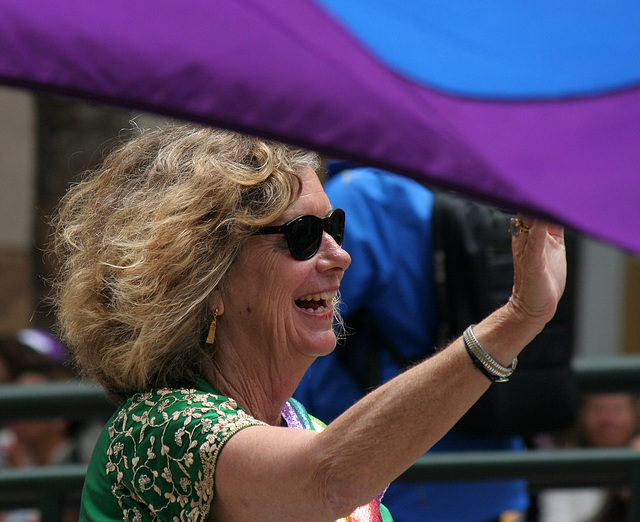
(273,298)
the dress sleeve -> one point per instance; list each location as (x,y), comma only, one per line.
(163,452)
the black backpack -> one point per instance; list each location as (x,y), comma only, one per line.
(473,273)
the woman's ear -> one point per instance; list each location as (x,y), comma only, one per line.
(215,301)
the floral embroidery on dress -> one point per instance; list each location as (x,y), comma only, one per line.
(163,451)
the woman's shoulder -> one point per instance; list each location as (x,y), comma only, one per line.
(181,407)
(161,446)
(168,399)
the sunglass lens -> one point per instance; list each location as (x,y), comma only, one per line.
(305,237)
(335,226)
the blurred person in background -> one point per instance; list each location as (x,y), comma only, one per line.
(35,357)
(609,420)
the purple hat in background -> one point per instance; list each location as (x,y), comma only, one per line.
(43,342)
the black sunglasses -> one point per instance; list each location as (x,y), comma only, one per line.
(304,233)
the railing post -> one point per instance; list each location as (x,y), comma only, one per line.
(634,495)
(52,506)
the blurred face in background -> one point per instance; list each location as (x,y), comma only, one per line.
(609,420)
(36,440)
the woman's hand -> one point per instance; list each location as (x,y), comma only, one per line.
(540,268)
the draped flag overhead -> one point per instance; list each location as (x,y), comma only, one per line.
(529,105)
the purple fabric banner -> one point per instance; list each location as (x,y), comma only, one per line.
(288,70)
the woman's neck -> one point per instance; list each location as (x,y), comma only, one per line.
(260,389)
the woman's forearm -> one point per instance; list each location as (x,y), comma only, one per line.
(383,434)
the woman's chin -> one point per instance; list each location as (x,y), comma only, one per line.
(321,344)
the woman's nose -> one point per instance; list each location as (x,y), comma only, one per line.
(334,255)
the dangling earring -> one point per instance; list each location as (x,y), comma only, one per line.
(212,328)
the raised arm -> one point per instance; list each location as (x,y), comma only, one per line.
(285,474)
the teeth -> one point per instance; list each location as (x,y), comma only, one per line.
(319,297)
(320,309)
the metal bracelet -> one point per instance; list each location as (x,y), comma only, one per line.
(498,372)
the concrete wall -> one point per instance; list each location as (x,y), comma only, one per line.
(600,300)
(17,197)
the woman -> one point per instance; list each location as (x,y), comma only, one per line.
(199,282)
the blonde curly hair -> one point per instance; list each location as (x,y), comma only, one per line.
(145,238)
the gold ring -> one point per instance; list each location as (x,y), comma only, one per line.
(517,227)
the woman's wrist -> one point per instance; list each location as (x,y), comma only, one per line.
(506,332)
(519,317)
(491,368)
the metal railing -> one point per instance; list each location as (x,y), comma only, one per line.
(53,488)
(610,468)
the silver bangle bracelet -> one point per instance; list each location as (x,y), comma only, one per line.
(487,364)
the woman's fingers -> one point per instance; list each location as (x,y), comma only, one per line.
(539,265)
(519,225)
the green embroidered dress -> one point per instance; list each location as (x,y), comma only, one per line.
(155,460)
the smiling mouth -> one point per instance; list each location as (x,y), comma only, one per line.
(317,303)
